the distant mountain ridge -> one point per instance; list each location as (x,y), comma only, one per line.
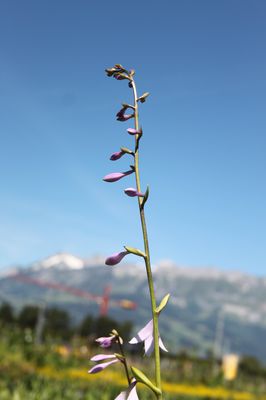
(199,298)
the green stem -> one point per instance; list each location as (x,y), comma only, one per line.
(147,252)
(124,360)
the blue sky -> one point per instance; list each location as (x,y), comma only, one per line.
(203,149)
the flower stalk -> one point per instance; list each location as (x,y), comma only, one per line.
(120,344)
(149,334)
(147,250)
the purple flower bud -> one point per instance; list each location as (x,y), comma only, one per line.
(121,112)
(131,192)
(121,116)
(125,117)
(115,176)
(132,131)
(106,341)
(118,77)
(117,155)
(102,357)
(115,258)
(99,367)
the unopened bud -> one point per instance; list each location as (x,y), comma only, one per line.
(115,258)
(133,131)
(132,192)
(143,98)
(115,156)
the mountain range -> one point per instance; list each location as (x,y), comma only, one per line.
(209,309)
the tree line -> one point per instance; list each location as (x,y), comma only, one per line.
(54,322)
(57,324)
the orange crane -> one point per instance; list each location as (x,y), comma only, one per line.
(104,301)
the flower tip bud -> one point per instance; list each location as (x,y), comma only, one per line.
(119,77)
(121,116)
(105,341)
(133,131)
(132,192)
(117,155)
(115,176)
(115,258)
(125,117)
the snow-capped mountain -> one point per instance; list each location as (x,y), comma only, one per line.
(60,261)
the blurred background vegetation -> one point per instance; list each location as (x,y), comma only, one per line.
(44,356)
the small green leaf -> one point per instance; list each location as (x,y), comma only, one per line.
(146,196)
(110,71)
(141,377)
(126,150)
(119,356)
(143,98)
(137,252)
(163,303)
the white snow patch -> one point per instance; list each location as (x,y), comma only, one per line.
(68,260)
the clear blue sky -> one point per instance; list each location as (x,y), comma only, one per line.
(203,150)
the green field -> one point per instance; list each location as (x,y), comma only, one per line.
(58,372)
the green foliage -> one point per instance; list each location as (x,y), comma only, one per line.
(251,366)
(20,359)
(104,325)
(57,323)
(28,317)
(86,326)
(6,314)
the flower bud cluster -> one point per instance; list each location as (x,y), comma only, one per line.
(120,73)
(105,360)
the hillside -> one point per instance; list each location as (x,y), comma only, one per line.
(202,300)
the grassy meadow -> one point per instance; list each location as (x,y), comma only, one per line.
(56,371)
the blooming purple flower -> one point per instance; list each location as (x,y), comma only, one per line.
(130,393)
(102,357)
(115,176)
(131,192)
(115,258)
(105,341)
(117,155)
(133,131)
(146,335)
